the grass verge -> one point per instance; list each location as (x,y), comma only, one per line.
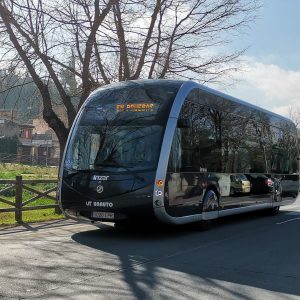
(10,171)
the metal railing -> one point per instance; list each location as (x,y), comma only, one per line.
(29,159)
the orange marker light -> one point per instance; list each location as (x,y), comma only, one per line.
(159,183)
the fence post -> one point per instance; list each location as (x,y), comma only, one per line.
(18,212)
(57,208)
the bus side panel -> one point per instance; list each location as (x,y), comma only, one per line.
(287,189)
(184,192)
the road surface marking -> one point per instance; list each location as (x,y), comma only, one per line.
(287,221)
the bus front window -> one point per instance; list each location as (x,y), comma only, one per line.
(121,127)
(133,147)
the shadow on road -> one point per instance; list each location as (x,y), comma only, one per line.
(170,257)
(32,227)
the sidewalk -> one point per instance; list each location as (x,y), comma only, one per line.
(31,227)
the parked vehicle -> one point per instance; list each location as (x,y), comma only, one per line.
(239,183)
(260,184)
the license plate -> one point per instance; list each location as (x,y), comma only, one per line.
(103,215)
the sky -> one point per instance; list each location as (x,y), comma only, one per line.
(271,65)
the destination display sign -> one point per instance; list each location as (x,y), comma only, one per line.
(135,107)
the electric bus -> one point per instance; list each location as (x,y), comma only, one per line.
(177,152)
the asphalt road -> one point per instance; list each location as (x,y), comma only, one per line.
(243,257)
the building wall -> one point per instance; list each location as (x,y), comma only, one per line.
(37,149)
(9,114)
(40,126)
(8,128)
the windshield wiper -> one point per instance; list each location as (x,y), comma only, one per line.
(116,164)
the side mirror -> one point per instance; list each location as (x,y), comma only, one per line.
(184,123)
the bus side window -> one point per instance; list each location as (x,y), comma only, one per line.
(199,149)
(174,164)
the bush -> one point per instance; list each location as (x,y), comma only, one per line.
(9,145)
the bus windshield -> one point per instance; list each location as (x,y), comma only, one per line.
(121,128)
(121,147)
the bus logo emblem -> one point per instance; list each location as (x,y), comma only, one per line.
(99,189)
(99,177)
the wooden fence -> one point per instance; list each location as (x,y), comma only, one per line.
(20,205)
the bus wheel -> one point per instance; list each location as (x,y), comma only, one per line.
(210,209)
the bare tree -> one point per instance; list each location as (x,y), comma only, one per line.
(30,31)
(294,115)
(96,42)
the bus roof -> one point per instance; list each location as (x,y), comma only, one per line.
(145,82)
(237,100)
